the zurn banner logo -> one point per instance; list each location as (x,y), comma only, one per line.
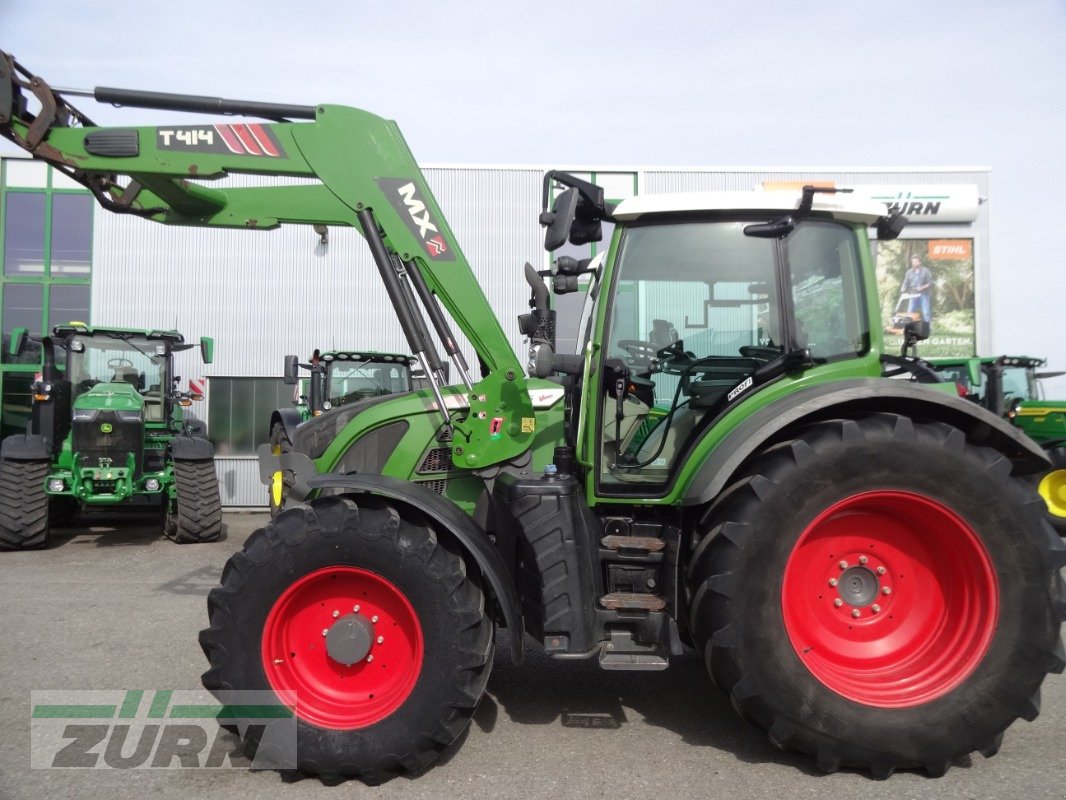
(159,729)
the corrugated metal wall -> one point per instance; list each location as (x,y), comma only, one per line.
(265,294)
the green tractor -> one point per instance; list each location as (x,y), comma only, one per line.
(107,432)
(337,377)
(1010,386)
(861,562)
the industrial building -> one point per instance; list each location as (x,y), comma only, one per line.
(263,295)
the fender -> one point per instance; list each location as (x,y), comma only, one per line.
(191,448)
(25,447)
(847,398)
(471,537)
(289,419)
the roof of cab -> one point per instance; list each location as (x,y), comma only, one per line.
(840,206)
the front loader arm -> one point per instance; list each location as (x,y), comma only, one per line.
(360,172)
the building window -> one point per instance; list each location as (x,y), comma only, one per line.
(24,223)
(238,412)
(72,240)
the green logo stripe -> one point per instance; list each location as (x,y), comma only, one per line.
(215,711)
(159,704)
(131,704)
(44,711)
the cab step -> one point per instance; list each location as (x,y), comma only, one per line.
(622,652)
(633,544)
(626,601)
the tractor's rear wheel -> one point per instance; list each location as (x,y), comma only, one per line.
(369,619)
(281,481)
(1052,488)
(879,594)
(195,515)
(23,504)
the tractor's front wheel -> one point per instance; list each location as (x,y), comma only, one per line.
(195,515)
(879,594)
(281,481)
(23,504)
(369,620)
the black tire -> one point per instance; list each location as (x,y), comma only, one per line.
(1052,482)
(23,505)
(331,533)
(752,533)
(279,443)
(196,514)
(63,511)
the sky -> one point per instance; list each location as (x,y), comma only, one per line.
(821,83)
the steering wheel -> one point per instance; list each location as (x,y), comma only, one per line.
(115,363)
(639,349)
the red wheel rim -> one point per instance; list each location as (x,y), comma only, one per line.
(890,599)
(331,694)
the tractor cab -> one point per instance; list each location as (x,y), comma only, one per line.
(711,299)
(339,377)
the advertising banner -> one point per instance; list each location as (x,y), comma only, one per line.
(931,279)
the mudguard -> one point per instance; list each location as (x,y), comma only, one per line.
(25,447)
(443,512)
(857,396)
(289,419)
(191,448)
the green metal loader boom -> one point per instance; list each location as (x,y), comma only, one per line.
(367,179)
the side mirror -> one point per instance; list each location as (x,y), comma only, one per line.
(559,220)
(291,371)
(18,341)
(207,349)
(916,330)
(890,227)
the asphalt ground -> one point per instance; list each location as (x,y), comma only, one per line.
(113,605)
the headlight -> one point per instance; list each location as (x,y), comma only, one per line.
(152,485)
(56,485)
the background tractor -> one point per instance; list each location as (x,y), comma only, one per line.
(107,431)
(337,377)
(860,561)
(1010,386)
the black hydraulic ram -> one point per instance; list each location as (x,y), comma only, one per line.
(440,323)
(411,323)
(197,103)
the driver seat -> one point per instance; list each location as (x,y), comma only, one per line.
(662,333)
(127,375)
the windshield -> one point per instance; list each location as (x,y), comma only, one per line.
(697,308)
(351,381)
(113,359)
(1018,383)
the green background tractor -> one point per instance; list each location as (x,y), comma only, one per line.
(1010,386)
(107,432)
(861,562)
(337,378)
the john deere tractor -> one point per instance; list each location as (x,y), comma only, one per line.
(860,561)
(107,432)
(337,377)
(1010,386)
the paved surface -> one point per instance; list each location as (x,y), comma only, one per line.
(115,606)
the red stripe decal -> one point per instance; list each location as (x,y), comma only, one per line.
(247,140)
(263,138)
(226,132)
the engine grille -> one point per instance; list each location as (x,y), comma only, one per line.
(107,435)
(438,460)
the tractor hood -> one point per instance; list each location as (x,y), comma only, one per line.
(110,397)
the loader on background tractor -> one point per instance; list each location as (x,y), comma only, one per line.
(1009,386)
(108,432)
(337,377)
(859,561)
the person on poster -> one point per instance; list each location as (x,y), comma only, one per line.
(919,282)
